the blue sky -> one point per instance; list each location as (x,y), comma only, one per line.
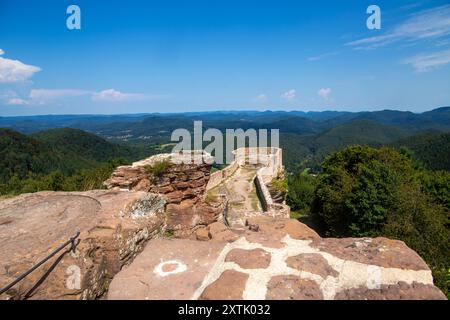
(177,56)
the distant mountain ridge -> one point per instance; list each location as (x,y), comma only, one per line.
(439,118)
(308,136)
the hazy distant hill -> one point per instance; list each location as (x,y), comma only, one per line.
(301,151)
(142,126)
(305,136)
(363,132)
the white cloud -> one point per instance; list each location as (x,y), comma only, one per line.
(16,102)
(112,95)
(43,96)
(15,70)
(322,56)
(430,61)
(289,95)
(324,93)
(261,98)
(424,25)
(52,94)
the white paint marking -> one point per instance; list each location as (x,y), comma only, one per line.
(180,267)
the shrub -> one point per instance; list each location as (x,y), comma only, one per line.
(158,168)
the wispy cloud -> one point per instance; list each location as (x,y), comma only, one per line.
(261,98)
(322,56)
(112,95)
(15,70)
(52,94)
(43,96)
(424,25)
(16,102)
(289,95)
(430,61)
(325,93)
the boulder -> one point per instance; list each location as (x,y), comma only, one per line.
(215,228)
(202,234)
(281,226)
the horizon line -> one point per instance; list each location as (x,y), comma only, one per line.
(214,111)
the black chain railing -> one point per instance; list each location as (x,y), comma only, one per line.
(71,241)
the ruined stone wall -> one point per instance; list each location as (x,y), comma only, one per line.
(269,158)
(182,183)
(269,206)
(271,162)
(218,177)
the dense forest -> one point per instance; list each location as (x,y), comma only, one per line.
(58,159)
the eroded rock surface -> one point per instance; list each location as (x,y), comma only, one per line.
(114,226)
(292,288)
(285,260)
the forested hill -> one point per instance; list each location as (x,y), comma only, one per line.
(432,150)
(87,147)
(65,150)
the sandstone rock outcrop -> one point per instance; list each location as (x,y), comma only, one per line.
(284,260)
(181,182)
(114,226)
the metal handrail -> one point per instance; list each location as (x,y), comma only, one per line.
(225,213)
(23,275)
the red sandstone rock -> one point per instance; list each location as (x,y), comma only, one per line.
(292,288)
(313,263)
(293,228)
(382,252)
(229,286)
(144,280)
(215,228)
(183,217)
(202,234)
(174,197)
(399,291)
(225,236)
(249,259)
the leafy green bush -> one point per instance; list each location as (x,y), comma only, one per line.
(437,185)
(301,192)
(280,185)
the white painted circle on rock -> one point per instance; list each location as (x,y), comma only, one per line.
(167,268)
